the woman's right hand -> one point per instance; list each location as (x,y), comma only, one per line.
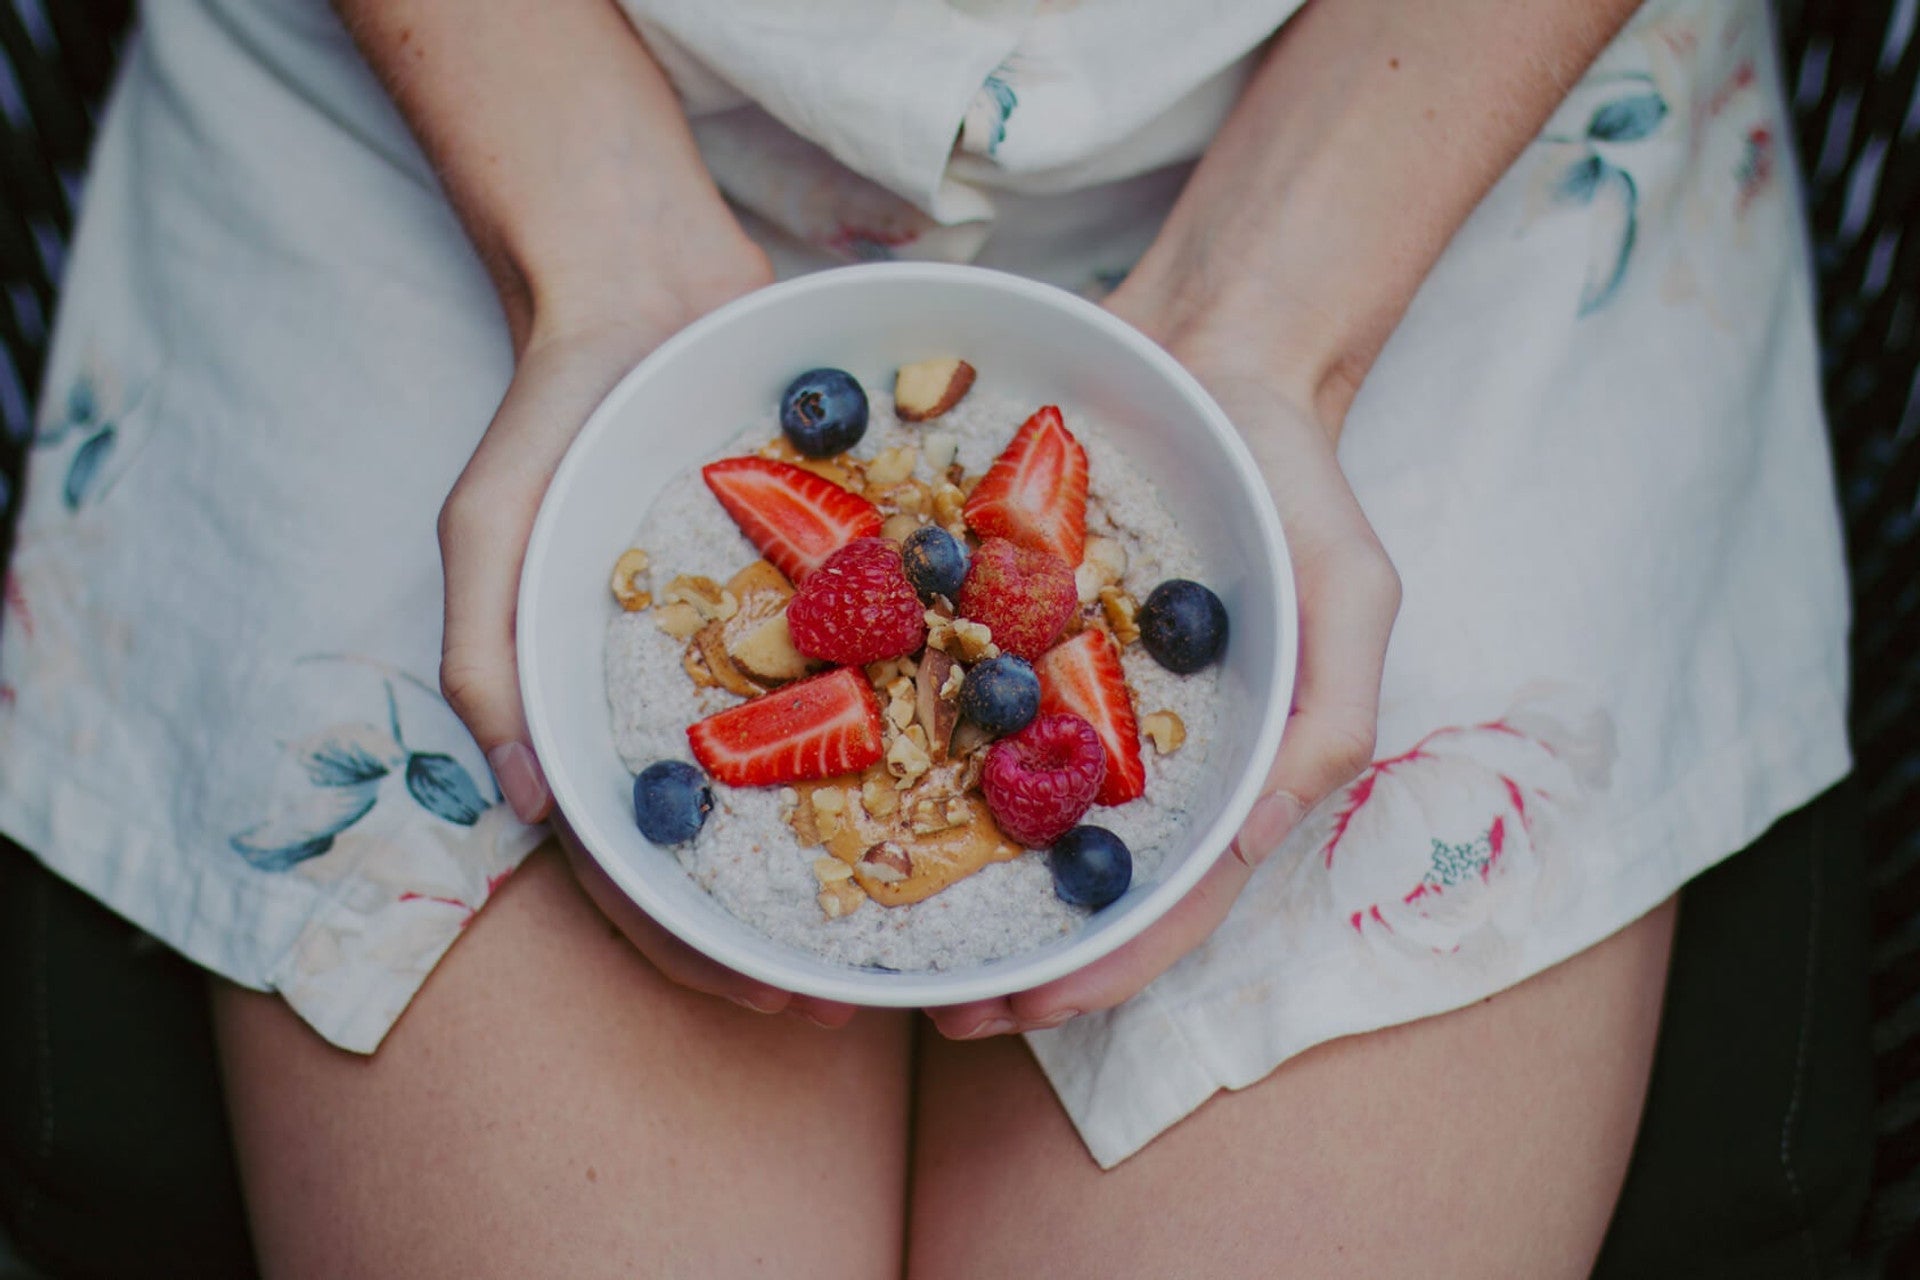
(563,371)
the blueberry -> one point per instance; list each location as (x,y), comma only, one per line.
(671,801)
(824,412)
(1183,625)
(1001,695)
(936,562)
(1091,867)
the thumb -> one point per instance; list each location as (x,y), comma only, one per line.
(484,527)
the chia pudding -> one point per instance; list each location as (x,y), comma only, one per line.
(770,854)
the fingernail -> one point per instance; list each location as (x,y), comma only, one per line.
(991,1027)
(1272,817)
(520,779)
(821,1023)
(1053,1020)
(766,1004)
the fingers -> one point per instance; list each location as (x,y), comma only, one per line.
(681,963)
(1111,980)
(1349,595)
(484,528)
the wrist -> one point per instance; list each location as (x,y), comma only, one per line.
(1247,327)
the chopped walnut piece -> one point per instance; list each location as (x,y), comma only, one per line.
(939,447)
(829,811)
(879,798)
(890,466)
(887,862)
(1120,609)
(840,469)
(973,641)
(929,817)
(958,811)
(880,674)
(968,738)
(900,702)
(1104,565)
(909,496)
(949,509)
(907,759)
(678,620)
(828,870)
(899,526)
(841,898)
(805,828)
(629,575)
(1166,729)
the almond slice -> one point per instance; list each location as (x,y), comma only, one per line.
(711,641)
(928,388)
(765,652)
(678,620)
(933,705)
(757,577)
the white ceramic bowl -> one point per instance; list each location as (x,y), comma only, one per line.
(725,374)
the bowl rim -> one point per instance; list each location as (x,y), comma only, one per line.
(927,988)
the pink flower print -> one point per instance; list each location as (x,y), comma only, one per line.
(1459,843)
(1755,170)
(16,604)
(468,910)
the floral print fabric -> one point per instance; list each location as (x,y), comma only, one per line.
(1593,450)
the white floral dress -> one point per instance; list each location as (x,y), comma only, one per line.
(1593,449)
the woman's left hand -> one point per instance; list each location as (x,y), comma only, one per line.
(1348,593)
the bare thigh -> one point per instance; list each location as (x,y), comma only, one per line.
(550,1105)
(1483,1143)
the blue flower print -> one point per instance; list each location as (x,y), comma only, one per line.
(344,766)
(87,415)
(1602,184)
(84,471)
(1004,101)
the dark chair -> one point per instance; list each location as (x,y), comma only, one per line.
(113,1153)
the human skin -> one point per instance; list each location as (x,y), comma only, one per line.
(1370,132)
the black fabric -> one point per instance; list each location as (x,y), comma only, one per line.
(1853,68)
(1756,1147)
(114,1155)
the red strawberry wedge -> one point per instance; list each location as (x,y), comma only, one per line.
(1035,494)
(1082,675)
(816,728)
(796,519)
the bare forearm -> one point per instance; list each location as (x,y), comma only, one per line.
(1366,138)
(560,144)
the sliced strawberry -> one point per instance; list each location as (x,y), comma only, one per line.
(796,519)
(1035,494)
(816,728)
(1082,675)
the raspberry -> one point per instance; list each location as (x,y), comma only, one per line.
(1042,779)
(1024,597)
(858,607)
